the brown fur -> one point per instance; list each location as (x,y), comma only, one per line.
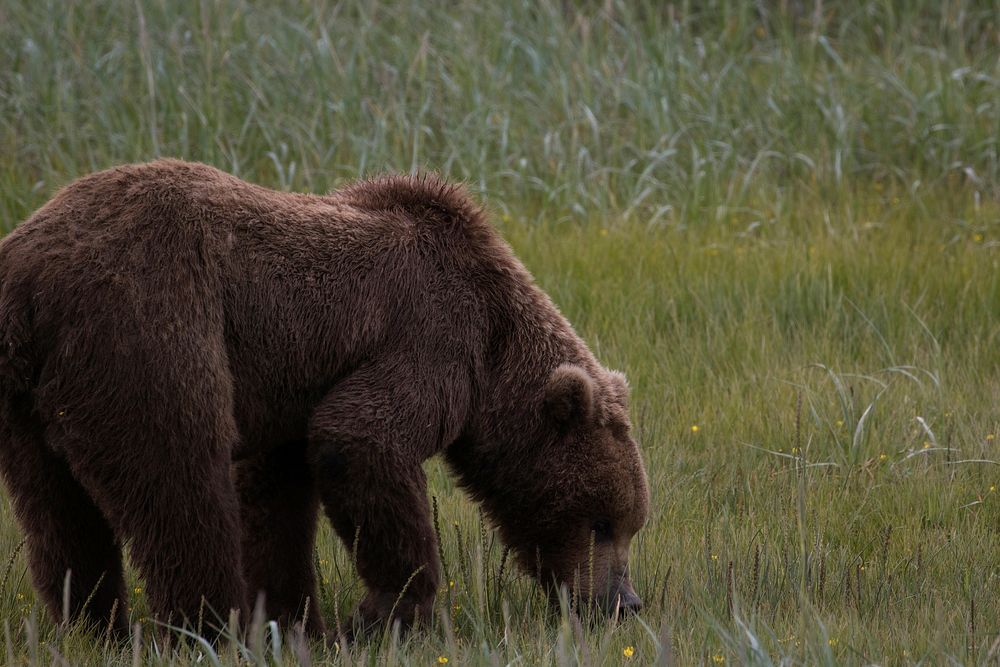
(159,321)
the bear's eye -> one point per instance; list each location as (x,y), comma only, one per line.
(602,531)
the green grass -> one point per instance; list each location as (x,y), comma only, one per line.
(784,226)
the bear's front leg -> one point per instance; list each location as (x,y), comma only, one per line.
(368,439)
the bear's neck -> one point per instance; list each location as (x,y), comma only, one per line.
(530,342)
(524,340)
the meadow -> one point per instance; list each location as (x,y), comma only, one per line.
(781,219)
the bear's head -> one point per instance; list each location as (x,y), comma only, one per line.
(569,491)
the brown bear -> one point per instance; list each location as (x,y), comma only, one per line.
(194,365)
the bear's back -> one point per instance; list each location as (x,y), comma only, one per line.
(308,285)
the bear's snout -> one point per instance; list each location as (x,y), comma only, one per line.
(624,600)
(628,601)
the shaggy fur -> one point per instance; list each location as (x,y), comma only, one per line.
(162,323)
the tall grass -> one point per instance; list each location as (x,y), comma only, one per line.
(658,112)
(780,218)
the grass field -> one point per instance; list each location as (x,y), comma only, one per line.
(781,219)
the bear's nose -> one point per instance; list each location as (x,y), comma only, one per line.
(629,602)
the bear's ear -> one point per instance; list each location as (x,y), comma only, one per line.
(569,396)
(618,387)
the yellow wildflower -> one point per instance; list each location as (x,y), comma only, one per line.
(718,658)
(832,641)
(442,660)
(694,428)
(883,456)
(628,651)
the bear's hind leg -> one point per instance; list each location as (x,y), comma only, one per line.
(181,517)
(279,506)
(160,473)
(65,531)
(140,395)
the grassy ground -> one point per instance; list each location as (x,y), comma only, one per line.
(780,218)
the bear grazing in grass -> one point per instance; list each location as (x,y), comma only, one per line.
(195,365)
